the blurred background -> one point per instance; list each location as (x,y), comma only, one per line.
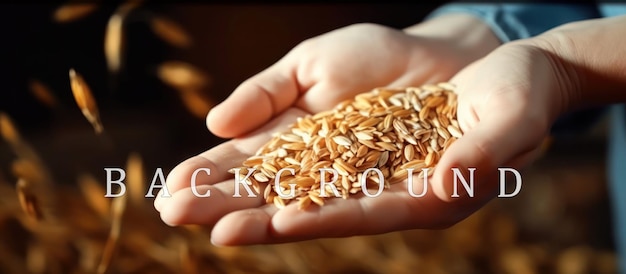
(155,70)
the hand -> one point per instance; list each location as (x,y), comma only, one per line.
(325,70)
(313,77)
(509,100)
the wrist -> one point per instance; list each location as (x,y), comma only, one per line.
(465,32)
(589,62)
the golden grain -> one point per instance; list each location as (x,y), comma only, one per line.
(409,153)
(342,140)
(430,159)
(454,131)
(388,129)
(28,201)
(28,170)
(170,31)
(114,42)
(114,36)
(316,198)
(182,75)
(135,178)
(94,194)
(8,130)
(118,207)
(197,103)
(42,93)
(73,11)
(85,100)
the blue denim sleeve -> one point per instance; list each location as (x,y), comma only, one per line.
(617,158)
(512,21)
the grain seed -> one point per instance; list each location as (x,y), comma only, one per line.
(388,129)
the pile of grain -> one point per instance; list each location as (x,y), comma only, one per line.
(386,130)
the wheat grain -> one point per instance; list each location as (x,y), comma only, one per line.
(114,42)
(170,32)
(28,201)
(182,75)
(94,195)
(42,93)
(73,11)
(197,103)
(85,100)
(118,207)
(135,178)
(8,130)
(391,130)
(114,35)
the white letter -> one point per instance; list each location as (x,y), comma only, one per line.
(193,182)
(518,182)
(381,185)
(410,182)
(239,181)
(278,188)
(331,184)
(469,188)
(158,174)
(118,182)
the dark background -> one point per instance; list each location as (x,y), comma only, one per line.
(231,43)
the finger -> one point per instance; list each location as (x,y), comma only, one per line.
(255,101)
(187,207)
(494,141)
(336,218)
(393,210)
(223,157)
(214,160)
(325,95)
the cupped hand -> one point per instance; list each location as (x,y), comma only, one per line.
(507,103)
(325,70)
(313,77)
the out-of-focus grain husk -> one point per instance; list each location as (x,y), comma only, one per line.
(43,93)
(182,76)
(93,194)
(191,84)
(197,103)
(8,130)
(135,179)
(188,260)
(170,31)
(28,201)
(36,258)
(85,100)
(73,11)
(118,207)
(114,36)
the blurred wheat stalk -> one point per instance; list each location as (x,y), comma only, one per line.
(53,228)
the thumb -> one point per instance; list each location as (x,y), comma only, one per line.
(255,101)
(495,141)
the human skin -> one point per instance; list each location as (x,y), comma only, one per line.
(509,100)
(314,76)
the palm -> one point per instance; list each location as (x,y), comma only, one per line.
(343,63)
(321,72)
(248,220)
(313,77)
